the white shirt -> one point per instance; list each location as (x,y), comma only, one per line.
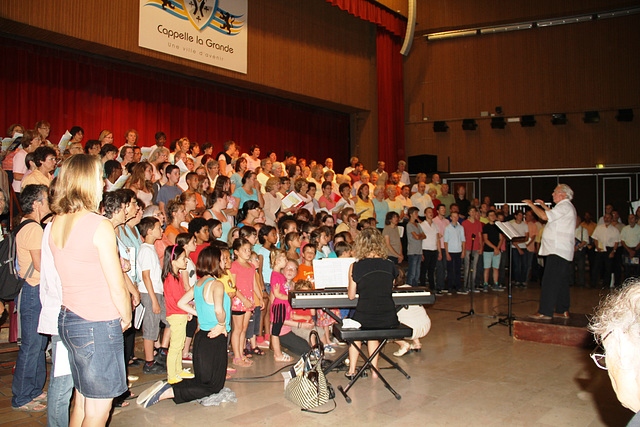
(422,202)
(607,236)
(405,179)
(630,235)
(262,179)
(558,237)
(430,243)
(148,260)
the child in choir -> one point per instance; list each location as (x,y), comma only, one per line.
(254,324)
(248,296)
(189,278)
(152,296)
(292,245)
(305,270)
(175,261)
(304,317)
(279,300)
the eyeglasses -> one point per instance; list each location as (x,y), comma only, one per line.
(599,356)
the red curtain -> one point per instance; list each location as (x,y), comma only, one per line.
(68,89)
(390,99)
(390,28)
(373,12)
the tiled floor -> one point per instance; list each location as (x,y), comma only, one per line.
(466,374)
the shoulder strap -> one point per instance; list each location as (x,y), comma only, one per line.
(22,224)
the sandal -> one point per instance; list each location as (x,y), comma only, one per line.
(247,353)
(33,406)
(416,347)
(42,397)
(249,361)
(285,358)
(257,351)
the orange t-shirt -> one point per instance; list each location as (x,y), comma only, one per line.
(305,273)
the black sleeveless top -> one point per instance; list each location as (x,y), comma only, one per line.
(374,278)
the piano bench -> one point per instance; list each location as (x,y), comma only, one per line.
(381,335)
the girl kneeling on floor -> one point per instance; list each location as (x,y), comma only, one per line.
(213,308)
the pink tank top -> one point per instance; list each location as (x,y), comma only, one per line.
(84,287)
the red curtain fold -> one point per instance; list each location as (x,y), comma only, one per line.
(390,99)
(67,89)
(372,12)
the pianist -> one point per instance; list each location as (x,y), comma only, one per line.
(372,277)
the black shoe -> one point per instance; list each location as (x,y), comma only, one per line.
(160,358)
(135,362)
(156,368)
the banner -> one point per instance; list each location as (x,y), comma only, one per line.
(210,31)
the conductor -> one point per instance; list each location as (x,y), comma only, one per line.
(558,245)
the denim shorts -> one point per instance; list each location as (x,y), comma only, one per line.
(491,260)
(96,355)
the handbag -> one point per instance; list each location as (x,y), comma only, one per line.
(310,389)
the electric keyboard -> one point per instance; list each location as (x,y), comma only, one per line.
(337,298)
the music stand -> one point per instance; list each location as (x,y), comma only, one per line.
(470,268)
(511,234)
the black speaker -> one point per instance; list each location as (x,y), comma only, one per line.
(424,163)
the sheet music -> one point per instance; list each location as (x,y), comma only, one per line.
(64,141)
(332,272)
(291,199)
(509,230)
(119,183)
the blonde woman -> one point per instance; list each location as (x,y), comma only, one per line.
(106,137)
(96,307)
(371,277)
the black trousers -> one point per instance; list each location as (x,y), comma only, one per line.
(209,367)
(554,297)
(428,268)
(603,267)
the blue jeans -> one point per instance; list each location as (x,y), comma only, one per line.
(519,265)
(59,393)
(31,369)
(96,355)
(413,272)
(441,271)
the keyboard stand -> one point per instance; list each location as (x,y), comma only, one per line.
(382,335)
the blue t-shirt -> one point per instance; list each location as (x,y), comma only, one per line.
(243,196)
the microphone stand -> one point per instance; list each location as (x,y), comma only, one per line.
(469,284)
(507,321)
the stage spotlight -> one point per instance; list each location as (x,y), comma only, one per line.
(559,119)
(469,124)
(625,115)
(591,117)
(528,121)
(498,123)
(440,126)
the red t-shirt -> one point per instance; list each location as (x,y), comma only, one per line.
(194,255)
(173,291)
(469,229)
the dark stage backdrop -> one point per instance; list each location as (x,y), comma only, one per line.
(69,88)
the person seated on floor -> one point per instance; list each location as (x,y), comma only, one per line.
(371,277)
(414,316)
(213,308)
(616,327)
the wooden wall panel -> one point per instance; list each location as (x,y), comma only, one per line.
(310,51)
(564,69)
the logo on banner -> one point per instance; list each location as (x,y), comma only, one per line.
(202,14)
(209,31)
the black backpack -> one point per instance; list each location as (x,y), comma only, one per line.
(10,281)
